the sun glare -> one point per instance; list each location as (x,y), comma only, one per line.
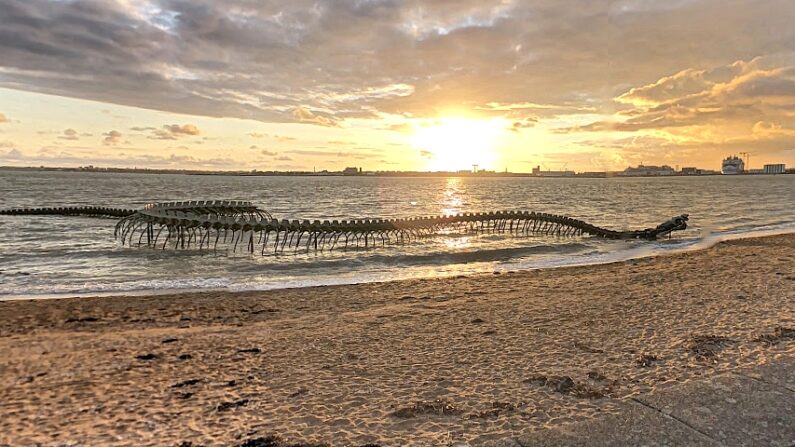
(455,144)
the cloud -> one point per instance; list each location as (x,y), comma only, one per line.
(185,129)
(50,156)
(355,154)
(174,131)
(276,137)
(265,152)
(112,137)
(69,134)
(678,69)
(768,130)
(401,127)
(3,119)
(317,153)
(6,144)
(12,154)
(523,124)
(304,115)
(426,154)
(283,158)
(345,59)
(745,101)
(698,116)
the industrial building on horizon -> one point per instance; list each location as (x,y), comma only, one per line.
(647,171)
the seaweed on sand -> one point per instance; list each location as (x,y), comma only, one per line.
(779,334)
(567,385)
(708,346)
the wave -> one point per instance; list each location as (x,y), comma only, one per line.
(708,240)
(419,259)
(339,258)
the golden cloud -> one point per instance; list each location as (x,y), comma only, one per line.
(304,115)
(174,131)
(730,100)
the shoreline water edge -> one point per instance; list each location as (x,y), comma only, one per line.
(637,251)
(466,360)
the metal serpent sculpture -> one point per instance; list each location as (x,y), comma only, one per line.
(200,224)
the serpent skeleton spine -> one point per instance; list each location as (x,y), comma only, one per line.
(205,224)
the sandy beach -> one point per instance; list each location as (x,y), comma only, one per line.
(419,362)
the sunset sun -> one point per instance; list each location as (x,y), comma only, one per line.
(453,144)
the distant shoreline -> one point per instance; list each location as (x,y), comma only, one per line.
(257,173)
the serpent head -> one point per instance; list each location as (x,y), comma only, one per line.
(677,223)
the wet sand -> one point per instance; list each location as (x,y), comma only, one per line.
(420,362)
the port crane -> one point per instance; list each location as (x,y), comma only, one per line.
(562,166)
(747,156)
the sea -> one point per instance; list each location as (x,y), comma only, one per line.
(55,256)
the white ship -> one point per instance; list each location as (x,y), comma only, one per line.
(733,165)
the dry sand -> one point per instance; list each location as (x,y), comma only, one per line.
(421,362)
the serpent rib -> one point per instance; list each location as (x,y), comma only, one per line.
(193,223)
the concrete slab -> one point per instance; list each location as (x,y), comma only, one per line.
(636,425)
(781,373)
(733,409)
(751,407)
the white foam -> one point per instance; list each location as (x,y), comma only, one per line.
(710,239)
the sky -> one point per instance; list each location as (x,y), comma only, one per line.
(587,85)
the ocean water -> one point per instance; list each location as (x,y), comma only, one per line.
(51,256)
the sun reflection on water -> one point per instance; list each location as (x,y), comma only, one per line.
(453,201)
(452,242)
